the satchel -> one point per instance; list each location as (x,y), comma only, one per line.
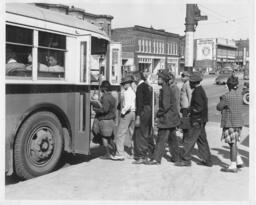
(185,123)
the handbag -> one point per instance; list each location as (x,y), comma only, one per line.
(185,123)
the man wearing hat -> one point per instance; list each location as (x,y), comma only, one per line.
(168,120)
(127,121)
(198,118)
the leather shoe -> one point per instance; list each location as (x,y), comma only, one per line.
(139,161)
(227,169)
(152,162)
(204,163)
(183,164)
(240,166)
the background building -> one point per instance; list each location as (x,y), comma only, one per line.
(214,53)
(148,48)
(103,21)
(242,53)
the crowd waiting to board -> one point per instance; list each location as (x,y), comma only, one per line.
(185,109)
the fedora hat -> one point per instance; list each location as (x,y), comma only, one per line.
(165,74)
(127,79)
(195,77)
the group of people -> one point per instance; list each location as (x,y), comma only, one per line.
(187,110)
(13,65)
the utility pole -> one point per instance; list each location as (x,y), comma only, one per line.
(193,15)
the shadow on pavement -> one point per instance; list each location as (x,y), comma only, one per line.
(245,142)
(226,154)
(66,160)
(215,159)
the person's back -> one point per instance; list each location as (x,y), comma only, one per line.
(232,116)
(199,105)
(108,107)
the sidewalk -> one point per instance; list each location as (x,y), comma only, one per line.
(120,180)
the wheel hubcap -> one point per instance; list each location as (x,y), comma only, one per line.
(41,145)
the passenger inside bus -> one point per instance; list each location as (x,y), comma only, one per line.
(11,62)
(53,64)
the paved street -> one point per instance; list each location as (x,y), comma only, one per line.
(91,178)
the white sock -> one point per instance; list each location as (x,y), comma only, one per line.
(232,165)
(239,160)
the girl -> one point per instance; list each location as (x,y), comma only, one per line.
(230,106)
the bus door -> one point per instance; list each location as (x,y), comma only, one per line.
(81,142)
(114,71)
(115,63)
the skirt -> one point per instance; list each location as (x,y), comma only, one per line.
(231,135)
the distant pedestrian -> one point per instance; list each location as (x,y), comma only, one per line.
(168,120)
(185,99)
(143,123)
(230,106)
(127,119)
(198,118)
(104,124)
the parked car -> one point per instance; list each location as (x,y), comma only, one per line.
(223,76)
(246,74)
(245,93)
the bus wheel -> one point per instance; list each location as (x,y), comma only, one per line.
(38,146)
(246,98)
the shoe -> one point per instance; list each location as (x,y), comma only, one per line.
(106,156)
(240,166)
(183,163)
(174,160)
(227,169)
(139,161)
(152,162)
(117,157)
(204,163)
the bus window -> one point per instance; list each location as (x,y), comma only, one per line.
(19,43)
(51,55)
(98,59)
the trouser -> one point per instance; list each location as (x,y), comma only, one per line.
(197,135)
(125,130)
(165,135)
(143,137)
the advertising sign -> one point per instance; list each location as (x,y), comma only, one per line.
(204,51)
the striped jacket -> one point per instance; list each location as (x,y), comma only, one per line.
(230,106)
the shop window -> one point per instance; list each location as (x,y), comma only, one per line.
(51,55)
(19,43)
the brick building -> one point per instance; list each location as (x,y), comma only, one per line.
(103,21)
(148,48)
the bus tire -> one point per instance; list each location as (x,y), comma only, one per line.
(246,98)
(38,146)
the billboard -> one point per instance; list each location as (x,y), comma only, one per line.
(205,50)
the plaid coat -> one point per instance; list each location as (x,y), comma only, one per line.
(230,106)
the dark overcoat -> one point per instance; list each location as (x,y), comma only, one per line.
(199,106)
(168,114)
(230,106)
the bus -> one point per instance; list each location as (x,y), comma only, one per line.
(54,65)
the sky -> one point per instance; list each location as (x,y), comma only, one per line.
(226,19)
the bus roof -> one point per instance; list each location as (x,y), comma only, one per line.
(32,11)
